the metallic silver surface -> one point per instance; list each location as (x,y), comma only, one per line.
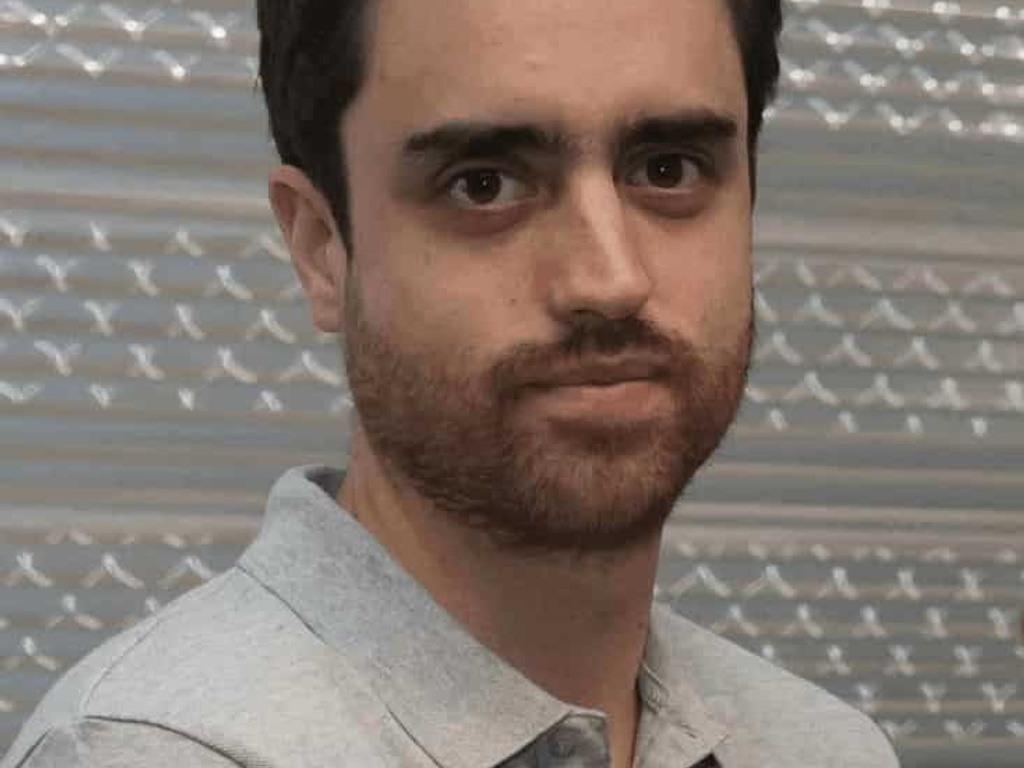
(158,368)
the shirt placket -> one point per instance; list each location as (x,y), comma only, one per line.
(578,741)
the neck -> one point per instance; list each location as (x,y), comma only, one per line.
(555,617)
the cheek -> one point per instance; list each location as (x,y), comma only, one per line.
(427,310)
(724,246)
(704,279)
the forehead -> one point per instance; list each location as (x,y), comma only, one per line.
(586,63)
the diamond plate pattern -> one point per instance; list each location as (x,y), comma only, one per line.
(227,310)
(188,46)
(157,352)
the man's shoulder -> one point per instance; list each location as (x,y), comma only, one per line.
(95,743)
(773,711)
(224,665)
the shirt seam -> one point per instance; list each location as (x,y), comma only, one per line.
(86,698)
(50,732)
(244,569)
(648,674)
(34,748)
(160,726)
(387,707)
(411,736)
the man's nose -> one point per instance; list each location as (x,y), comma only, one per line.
(596,264)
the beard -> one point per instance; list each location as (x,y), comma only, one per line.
(468,443)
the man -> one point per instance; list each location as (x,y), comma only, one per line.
(530,222)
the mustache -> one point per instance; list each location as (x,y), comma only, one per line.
(589,341)
(592,334)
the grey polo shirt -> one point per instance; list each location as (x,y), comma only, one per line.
(317,650)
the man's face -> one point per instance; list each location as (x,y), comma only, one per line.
(536,186)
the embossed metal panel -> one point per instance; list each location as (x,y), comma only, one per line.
(158,365)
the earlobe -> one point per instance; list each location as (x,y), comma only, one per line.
(307,227)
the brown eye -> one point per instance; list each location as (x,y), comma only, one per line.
(667,171)
(486,188)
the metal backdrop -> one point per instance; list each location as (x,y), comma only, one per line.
(863,525)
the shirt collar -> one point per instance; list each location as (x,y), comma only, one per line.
(684,729)
(443,686)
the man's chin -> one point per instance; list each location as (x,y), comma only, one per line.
(582,531)
(585,502)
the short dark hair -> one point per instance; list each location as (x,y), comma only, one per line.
(313,56)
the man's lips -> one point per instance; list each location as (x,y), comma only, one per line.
(603,373)
(622,401)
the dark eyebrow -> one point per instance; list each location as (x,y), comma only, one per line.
(684,127)
(468,139)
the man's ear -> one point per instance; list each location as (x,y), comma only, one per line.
(311,236)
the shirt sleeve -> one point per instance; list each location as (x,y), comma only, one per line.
(96,743)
